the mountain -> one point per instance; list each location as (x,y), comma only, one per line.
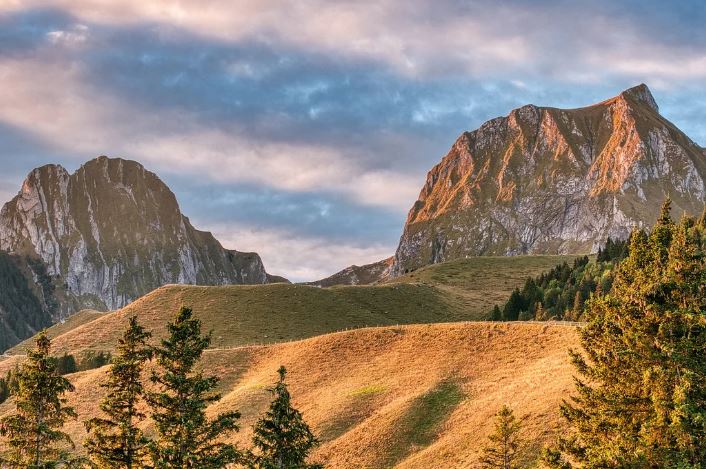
(554,181)
(112,232)
(358,275)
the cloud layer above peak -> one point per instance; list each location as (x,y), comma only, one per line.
(323,115)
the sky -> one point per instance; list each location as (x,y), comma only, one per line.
(304,129)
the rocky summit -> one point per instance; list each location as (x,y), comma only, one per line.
(112,232)
(553,181)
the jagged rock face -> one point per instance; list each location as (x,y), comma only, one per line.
(553,181)
(113,231)
(358,275)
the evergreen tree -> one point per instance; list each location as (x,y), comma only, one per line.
(641,399)
(116,441)
(33,434)
(514,306)
(504,443)
(496,314)
(541,314)
(66,364)
(185,437)
(282,439)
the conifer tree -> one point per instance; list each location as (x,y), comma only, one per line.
(115,441)
(496,314)
(33,434)
(282,438)
(640,397)
(515,305)
(185,437)
(504,442)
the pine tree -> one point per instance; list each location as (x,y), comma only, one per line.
(282,439)
(640,397)
(541,314)
(504,443)
(496,314)
(185,437)
(514,306)
(116,441)
(33,434)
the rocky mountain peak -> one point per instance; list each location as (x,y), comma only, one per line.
(113,231)
(548,180)
(641,94)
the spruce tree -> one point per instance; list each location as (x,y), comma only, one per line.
(185,437)
(115,441)
(640,397)
(504,442)
(282,439)
(33,435)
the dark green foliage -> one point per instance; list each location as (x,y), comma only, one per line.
(22,313)
(640,396)
(115,441)
(282,438)
(496,314)
(612,251)
(185,437)
(33,436)
(93,360)
(504,443)
(65,364)
(9,384)
(514,306)
(44,280)
(562,292)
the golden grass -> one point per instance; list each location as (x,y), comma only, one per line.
(459,290)
(419,396)
(479,283)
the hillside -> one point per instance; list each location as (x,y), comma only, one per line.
(377,402)
(240,315)
(544,180)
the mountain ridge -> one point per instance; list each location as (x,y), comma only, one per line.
(113,231)
(545,180)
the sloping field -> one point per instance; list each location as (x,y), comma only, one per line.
(419,396)
(479,283)
(458,290)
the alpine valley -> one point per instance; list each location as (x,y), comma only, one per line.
(394,363)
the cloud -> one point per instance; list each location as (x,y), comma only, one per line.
(314,122)
(305,258)
(78,34)
(482,38)
(96,122)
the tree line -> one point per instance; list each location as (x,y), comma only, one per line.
(562,293)
(176,403)
(640,385)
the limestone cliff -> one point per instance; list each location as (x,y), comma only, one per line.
(113,231)
(547,180)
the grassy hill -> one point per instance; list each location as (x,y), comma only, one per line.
(479,283)
(459,290)
(405,397)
